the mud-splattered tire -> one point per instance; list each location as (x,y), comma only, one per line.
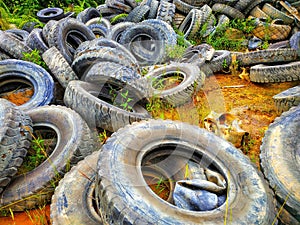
(287,99)
(74,141)
(15,137)
(76,193)
(126,198)
(280,160)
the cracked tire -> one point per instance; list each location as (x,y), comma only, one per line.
(124,196)
(74,141)
(287,99)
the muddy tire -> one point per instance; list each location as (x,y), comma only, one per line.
(48,14)
(253,4)
(123,190)
(59,67)
(287,99)
(119,5)
(74,141)
(227,10)
(35,40)
(166,11)
(15,138)
(277,14)
(280,160)
(189,76)
(267,56)
(14,71)
(278,73)
(76,193)
(12,46)
(100,111)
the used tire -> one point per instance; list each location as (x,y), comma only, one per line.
(220,58)
(124,196)
(280,161)
(88,14)
(15,137)
(48,14)
(76,193)
(117,30)
(74,141)
(35,40)
(287,99)
(227,10)
(15,73)
(166,11)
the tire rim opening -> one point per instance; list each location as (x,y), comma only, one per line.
(167,80)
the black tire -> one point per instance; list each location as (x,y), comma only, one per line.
(12,46)
(278,73)
(124,196)
(107,12)
(29,26)
(35,40)
(277,14)
(138,13)
(64,32)
(48,14)
(59,67)
(15,73)
(111,70)
(74,141)
(166,11)
(198,3)
(99,30)
(273,56)
(227,10)
(189,76)
(99,98)
(145,43)
(21,35)
(220,59)
(117,30)
(280,160)
(102,50)
(76,193)
(88,14)
(15,137)
(287,99)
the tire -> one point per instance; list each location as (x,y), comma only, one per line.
(35,40)
(12,46)
(48,14)
(242,4)
(280,162)
(139,38)
(124,196)
(254,43)
(88,14)
(280,44)
(138,13)
(166,11)
(21,35)
(178,19)
(277,14)
(220,58)
(267,56)
(188,75)
(100,112)
(278,73)
(99,30)
(76,193)
(74,141)
(14,71)
(191,24)
(119,5)
(65,30)
(102,50)
(99,20)
(258,13)
(198,3)
(15,138)
(4,56)
(59,67)
(111,70)
(117,30)
(287,99)
(253,4)
(183,7)
(295,41)
(228,11)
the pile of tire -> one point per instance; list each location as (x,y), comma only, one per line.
(97,65)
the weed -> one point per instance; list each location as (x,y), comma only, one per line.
(103,136)
(247,145)
(34,56)
(175,52)
(118,18)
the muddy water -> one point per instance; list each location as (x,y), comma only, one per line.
(251,103)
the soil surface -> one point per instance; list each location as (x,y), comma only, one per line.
(251,103)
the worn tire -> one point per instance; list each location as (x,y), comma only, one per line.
(117,30)
(15,138)
(279,73)
(266,56)
(74,141)
(190,78)
(18,71)
(21,35)
(294,42)
(88,14)
(119,5)
(99,30)
(138,13)
(166,11)
(287,99)
(35,40)
(242,4)
(59,67)
(280,160)
(254,4)
(76,193)
(48,14)
(85,98)
(124,196)
(220,57)
(277,14)
(227,10)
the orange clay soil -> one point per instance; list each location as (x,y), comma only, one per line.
(251,103)
(18,97)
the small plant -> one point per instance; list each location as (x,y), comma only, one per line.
(118,18)
(175,52)
(34,56)
(103,136)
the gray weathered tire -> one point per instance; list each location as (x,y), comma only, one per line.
(227,10)
(35,40)
(189,76)
(278,73)
(254,4)
(58,66)
(94,103)
(117,30)
(267,56)
(138,13)
(124,196)
(76,193)
(220,58)
(166,11)
(192,23)
(295,41)
(183,7)
(277,14)
(15,137)
(242,4)
(75,140)
(88,14)
(287,99)
(280,160)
